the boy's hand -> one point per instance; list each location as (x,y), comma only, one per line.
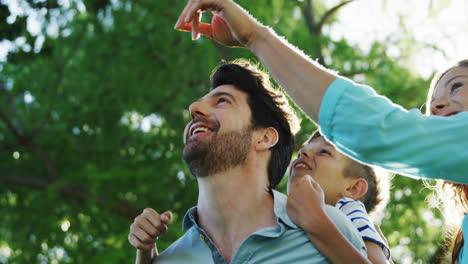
(231,25)
(147,227)
(306,203)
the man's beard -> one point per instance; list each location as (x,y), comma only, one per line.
(220,153)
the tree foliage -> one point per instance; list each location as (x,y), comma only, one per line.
(93,106)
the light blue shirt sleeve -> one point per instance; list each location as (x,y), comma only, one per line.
(462,259)
(370,128)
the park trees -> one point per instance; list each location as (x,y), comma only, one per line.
(93,103)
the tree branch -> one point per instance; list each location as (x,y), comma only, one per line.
(10,125)
(19,126)
(42,155)
(328,14)
(309,16)
(60,71)
(74,192)
(34,148)
(8,146)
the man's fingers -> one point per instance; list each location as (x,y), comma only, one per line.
(142,235)
(162,229)
(144,224)
(138,243)
(147,227)
(154,226)
(166,217)
(152,216)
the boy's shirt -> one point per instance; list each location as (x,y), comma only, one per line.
(356,212)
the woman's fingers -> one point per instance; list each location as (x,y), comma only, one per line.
(196,26)
(181,20)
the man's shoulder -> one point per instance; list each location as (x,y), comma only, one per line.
(339,218)
(346,226)
(298,236)
(187,249)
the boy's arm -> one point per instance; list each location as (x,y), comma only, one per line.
(376,244)
(329,238)
(375,253)
(305,206)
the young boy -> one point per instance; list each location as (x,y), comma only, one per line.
(349,185)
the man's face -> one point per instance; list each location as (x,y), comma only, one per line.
(323,163)
(219,135)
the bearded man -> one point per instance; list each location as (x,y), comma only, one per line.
(238,145)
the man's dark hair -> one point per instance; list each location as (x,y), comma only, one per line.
(269,107)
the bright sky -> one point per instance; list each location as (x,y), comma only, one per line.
(363,21)
(360,22)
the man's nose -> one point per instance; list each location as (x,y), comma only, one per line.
(198,109)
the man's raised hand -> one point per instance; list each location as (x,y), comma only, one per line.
(147,227)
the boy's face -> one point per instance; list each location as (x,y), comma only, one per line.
(326,165)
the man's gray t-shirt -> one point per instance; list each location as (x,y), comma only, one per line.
(283,243)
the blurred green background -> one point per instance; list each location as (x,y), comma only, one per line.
(93,103)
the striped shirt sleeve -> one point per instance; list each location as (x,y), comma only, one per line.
(356,212)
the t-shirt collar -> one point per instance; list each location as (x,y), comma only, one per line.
(279,203)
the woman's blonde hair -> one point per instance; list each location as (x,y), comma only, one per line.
(453,196)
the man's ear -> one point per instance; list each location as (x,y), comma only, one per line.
(357,189)
(266,138)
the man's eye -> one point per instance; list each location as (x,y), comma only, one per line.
(222,100)
(455,86)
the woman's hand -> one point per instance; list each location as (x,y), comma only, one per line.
(231,25)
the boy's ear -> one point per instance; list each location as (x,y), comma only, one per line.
(357,189)
(265,138)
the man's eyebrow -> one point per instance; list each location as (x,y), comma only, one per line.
(446,83)
(219,94)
